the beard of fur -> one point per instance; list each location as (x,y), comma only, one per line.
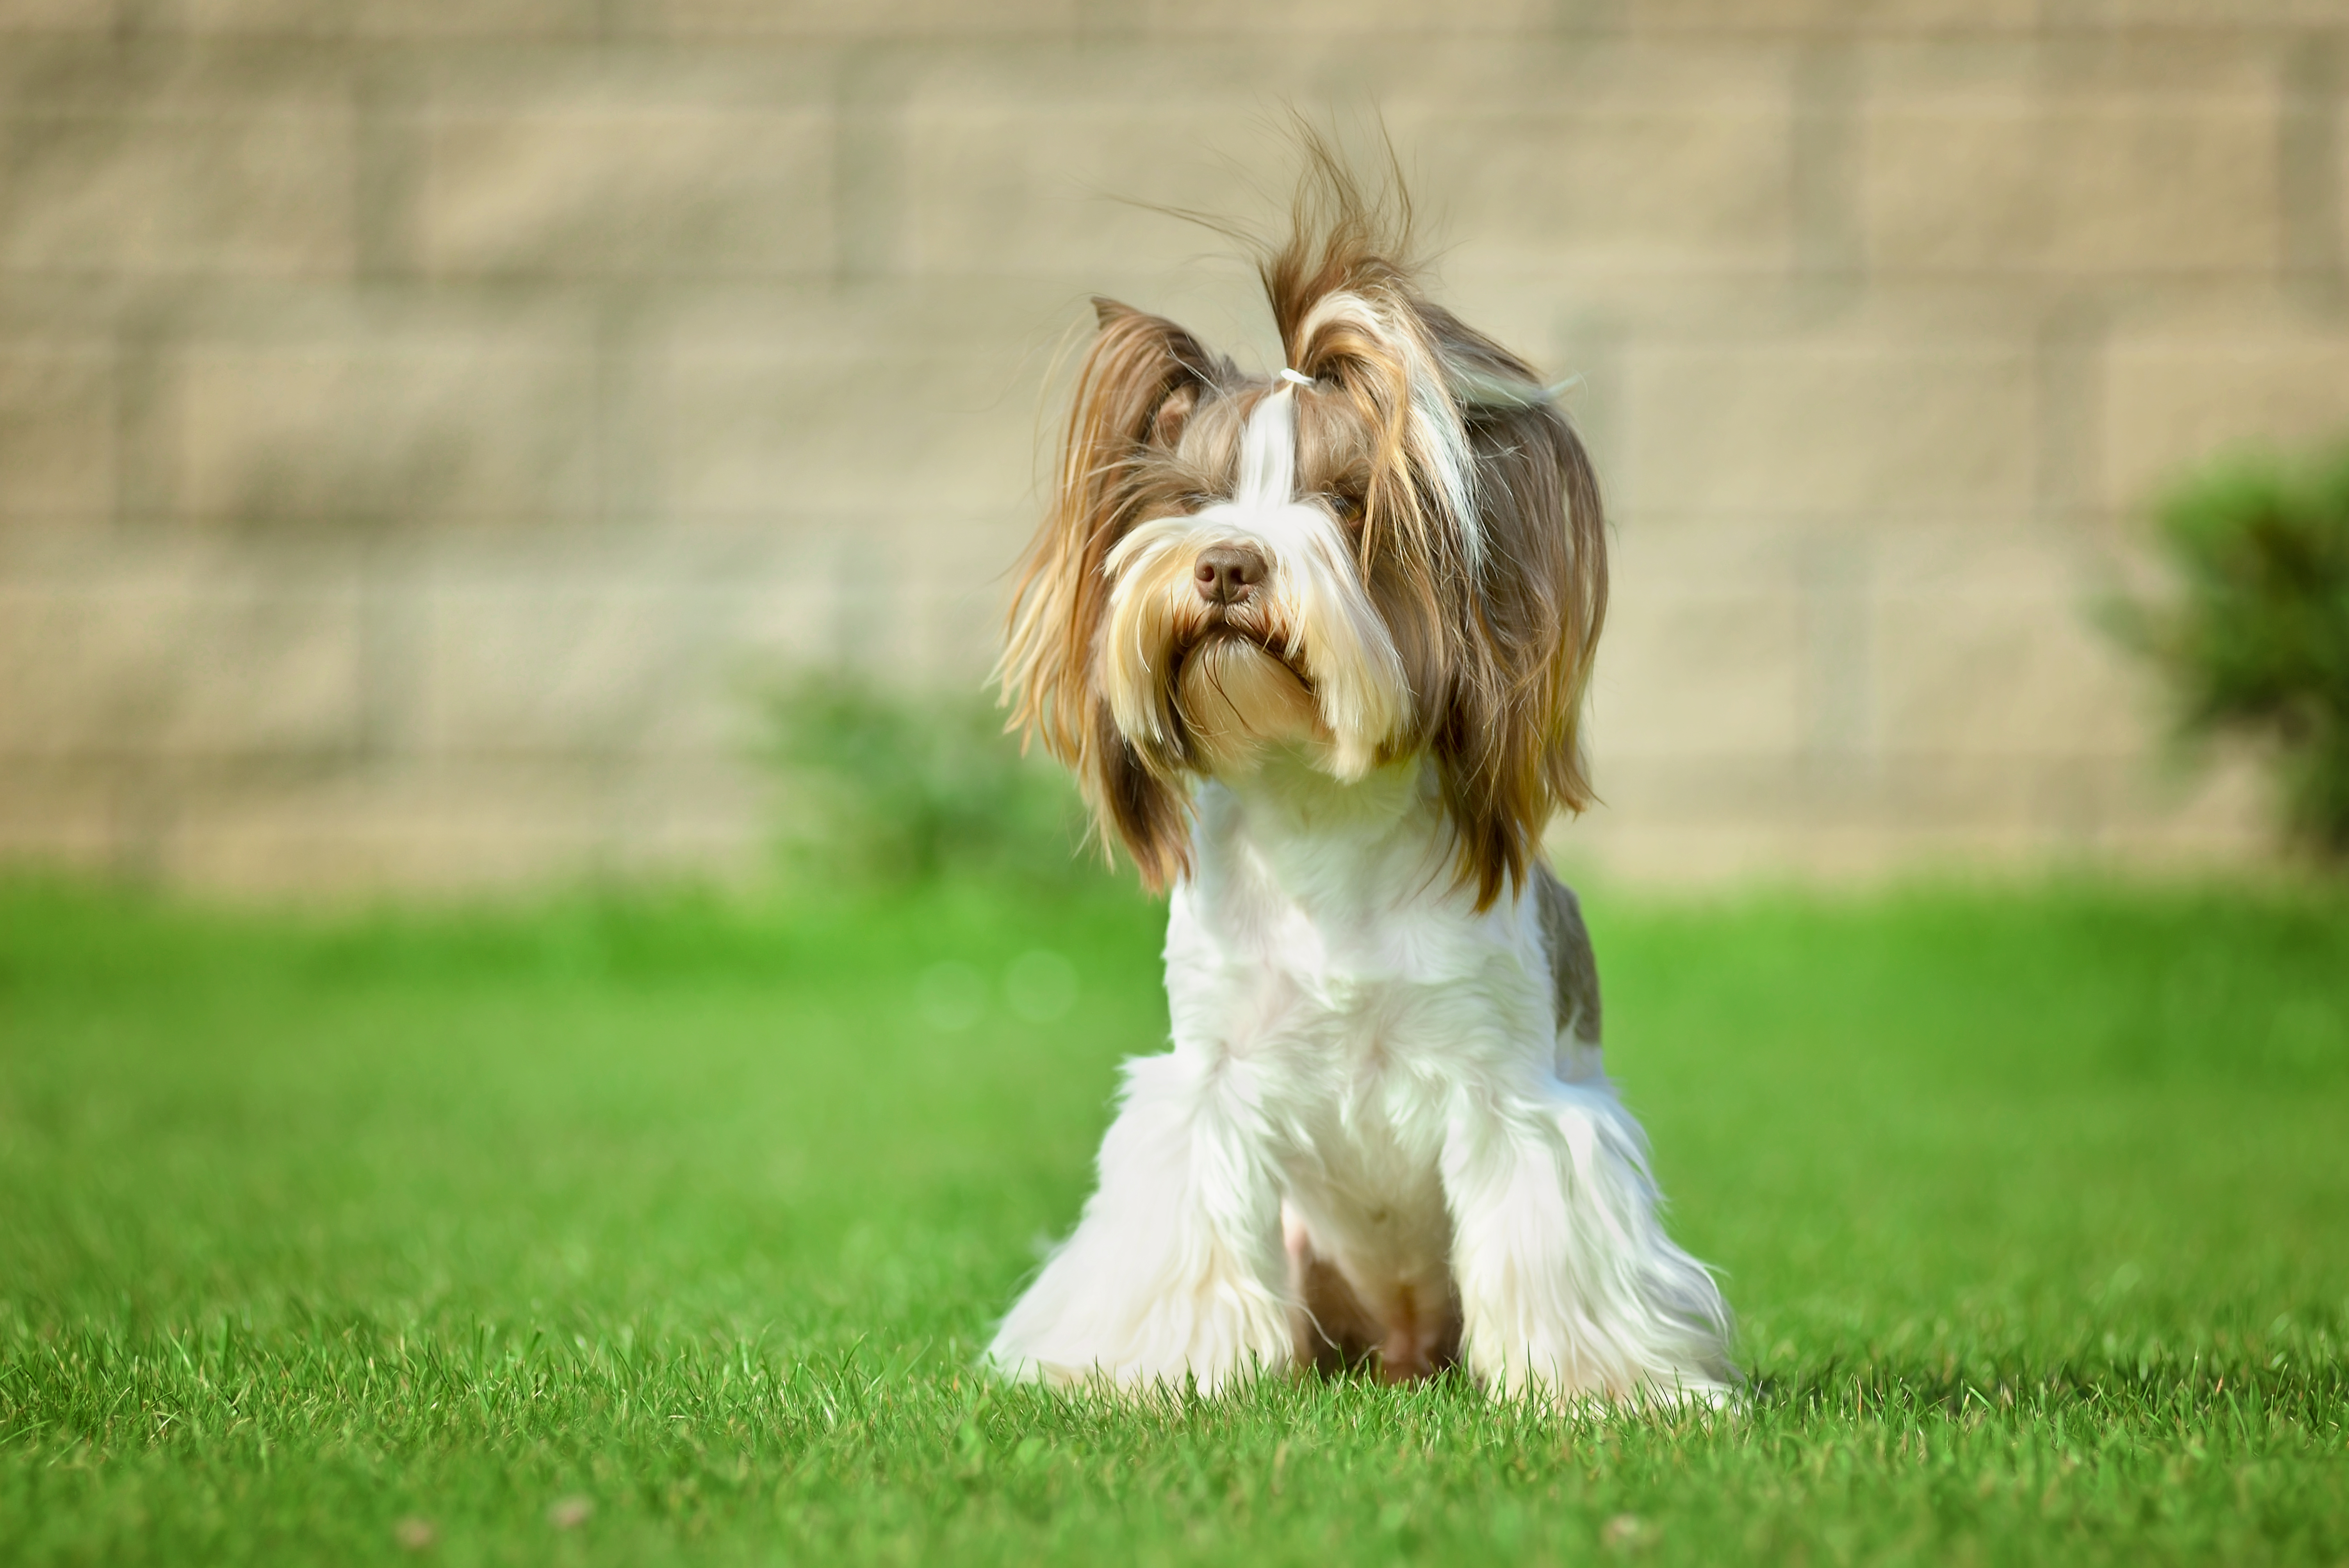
(1308,658)
(1234,697)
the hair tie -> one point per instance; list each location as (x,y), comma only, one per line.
(1288,374)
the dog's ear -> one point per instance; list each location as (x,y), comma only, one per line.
(1144,809)
(1140,382)
(1482,536)
(1508,746)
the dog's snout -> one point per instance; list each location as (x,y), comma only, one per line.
(1228,574)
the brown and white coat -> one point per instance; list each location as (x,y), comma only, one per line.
(1316,646)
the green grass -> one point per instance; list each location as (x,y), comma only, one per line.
(322,1238)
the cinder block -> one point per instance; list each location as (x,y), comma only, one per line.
(2001,161)
(602,666)
(1694,674)
(898,405)
(468,825)
(1765,795)
(1547,159)
(390,427)
(478,830)
(1952,801)
(1832,18)
(58,16)
(58,414)
(557,187)
(175,657)
(847,19)
(1874,425)
(2217,809)
(240,187)
(642,648)
(956,607)
(403,20)
(1045,182)
(1966,816)
(1603,159)
(1324,19)
(763,432)
(917,598)
(1695,664)
(56,818)
(2214,15)
(1985,649)
(2173,400)
(1705,821)
(1670,854)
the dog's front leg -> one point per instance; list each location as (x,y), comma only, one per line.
(1176,1269)
(1569,1288)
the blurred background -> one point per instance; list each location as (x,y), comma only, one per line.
(430,428)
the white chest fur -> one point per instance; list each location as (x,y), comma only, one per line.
(1363,1087)
(1337,898)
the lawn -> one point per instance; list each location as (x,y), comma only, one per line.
(638,1228)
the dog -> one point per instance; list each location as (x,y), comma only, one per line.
(1315,645)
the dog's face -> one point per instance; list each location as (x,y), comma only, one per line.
(1239,612)
(1392,547)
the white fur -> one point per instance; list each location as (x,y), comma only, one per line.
(1361,1054)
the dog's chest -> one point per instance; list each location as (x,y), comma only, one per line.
(1321,940)
(1362,998)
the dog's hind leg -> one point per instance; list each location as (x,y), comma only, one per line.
(1176,1269)
(1331,1328)
(1569,1288)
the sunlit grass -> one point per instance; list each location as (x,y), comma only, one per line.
(635,1230)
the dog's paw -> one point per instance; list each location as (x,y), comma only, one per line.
(1672,1394)
(1208,1339)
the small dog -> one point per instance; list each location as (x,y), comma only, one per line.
(1315,645)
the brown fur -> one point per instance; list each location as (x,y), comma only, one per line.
(1497,655)
(1139,381)
(1334,1332)
(1573,967)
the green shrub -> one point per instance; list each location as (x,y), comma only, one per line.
(886,787)
(2256,640)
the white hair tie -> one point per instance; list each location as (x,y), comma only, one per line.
(1288,374)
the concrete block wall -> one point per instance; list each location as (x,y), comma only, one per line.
(424,424)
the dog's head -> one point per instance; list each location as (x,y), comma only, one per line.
(1393,547)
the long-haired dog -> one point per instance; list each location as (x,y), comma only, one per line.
(1315,645)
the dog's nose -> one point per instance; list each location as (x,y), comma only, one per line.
(1228,574)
